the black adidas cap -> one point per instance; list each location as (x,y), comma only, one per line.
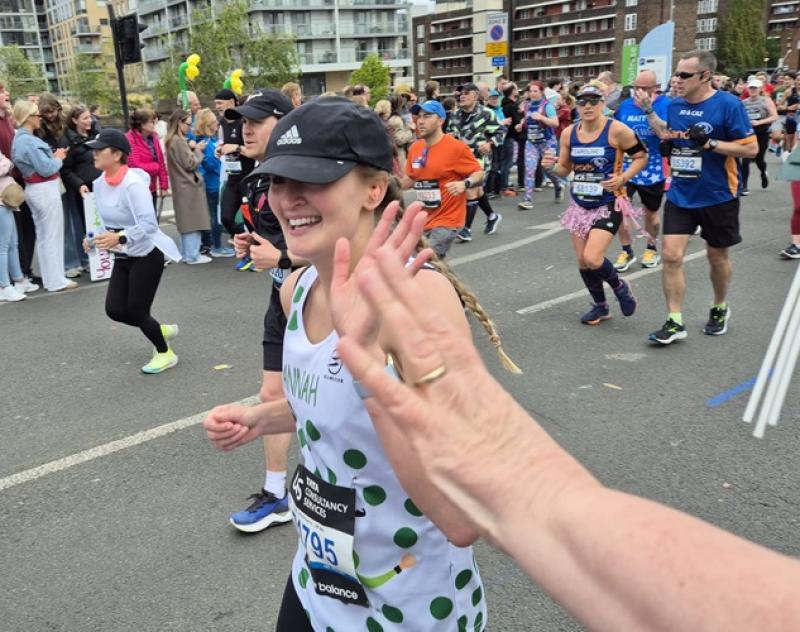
(321,141)
(110,137)
(261,104)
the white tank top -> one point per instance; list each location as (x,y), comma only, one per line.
(402,572)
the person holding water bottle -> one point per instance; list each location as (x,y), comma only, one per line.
(592,150)
(131,233)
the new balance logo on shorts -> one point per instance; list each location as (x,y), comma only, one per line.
(290,137)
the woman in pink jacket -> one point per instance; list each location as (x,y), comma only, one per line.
(146,152)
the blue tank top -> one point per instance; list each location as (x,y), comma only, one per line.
(592,163)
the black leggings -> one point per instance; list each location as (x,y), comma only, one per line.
(230,202)
(763,143)
(131,290)
(292,617)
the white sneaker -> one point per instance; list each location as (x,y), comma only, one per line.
(71,285)
(200,259)
(73,273)
(10,293)
(26,285)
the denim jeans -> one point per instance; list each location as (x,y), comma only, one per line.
(190,246)
(9,257)
(506,160)
(74,231)
(213,238)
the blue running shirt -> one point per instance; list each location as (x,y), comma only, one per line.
(634,117)
(704,178)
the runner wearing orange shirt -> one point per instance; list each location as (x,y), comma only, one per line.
(440,169)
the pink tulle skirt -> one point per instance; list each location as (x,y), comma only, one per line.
(579,221)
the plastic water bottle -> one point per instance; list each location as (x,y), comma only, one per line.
(90,239)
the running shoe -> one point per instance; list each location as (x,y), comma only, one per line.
(199,260)
(624,261)
(491,224)
(161,362)
(244,264)
(71,285)
(520,189)
(169,332)
(669,333)
(718,319)
(791,252)
(11,294)
(265,510)
(596,315)
(525,205)
(627,301)
(745,191)
(549,183)
(560,195)
(222,253)
(764,180)
(538,189)
(509,193)
(205,250)
(26,285)
(650,258)
(465,234)
(73,273)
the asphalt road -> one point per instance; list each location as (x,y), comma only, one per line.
(133,536)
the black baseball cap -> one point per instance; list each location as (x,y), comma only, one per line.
(470,87)
(321,141)
(225,95)
(260,104)
(110,138)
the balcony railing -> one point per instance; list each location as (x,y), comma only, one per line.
(179,21)
(149,6)
(92,49)
(350,56)
(81,29)
(153,53)
(292,4)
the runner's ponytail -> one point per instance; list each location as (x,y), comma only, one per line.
(394,192)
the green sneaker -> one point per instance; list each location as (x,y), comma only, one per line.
(161,362)
(169,332)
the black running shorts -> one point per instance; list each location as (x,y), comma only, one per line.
(651,195)
(719,223)
(274,327)
(609,224)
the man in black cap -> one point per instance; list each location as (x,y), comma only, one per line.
(235,166)
(266,246)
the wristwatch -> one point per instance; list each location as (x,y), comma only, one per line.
(122,239)
(712,144)
(648,111)
(468,183)
(284,263)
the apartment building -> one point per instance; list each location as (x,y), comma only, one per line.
(24,24)
(783,24)
(450,44)
(333,36)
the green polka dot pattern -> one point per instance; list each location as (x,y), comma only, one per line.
(441,607)
(412,508)
(462,579)
(374,495)
(392,614)
(405,538)
(311,431)
(355,459)
(373,626)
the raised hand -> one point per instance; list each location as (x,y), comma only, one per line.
(351,314)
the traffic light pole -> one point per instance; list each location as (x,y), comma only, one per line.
(123,91)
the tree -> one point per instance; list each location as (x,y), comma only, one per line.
(20,75)
(741,43)
(375,74)
(225,41)
(90,84)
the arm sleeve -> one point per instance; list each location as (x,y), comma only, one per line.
(141,206)
(68,174)
(163,176)
(184,156)
(211,163)
(5,165)
(43,161)
(495,132)
(550,111)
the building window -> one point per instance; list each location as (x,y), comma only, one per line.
(565,8)
(592,49)
(707,6)
(628,41)
(421,69)
(420,50)
(631,3)
(420,31)
(592,27)
(580,5)
(563,51)
(706,43)
(563,29)
(630,21)
(579,51)
(707,25)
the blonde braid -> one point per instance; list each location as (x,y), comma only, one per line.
(394,192)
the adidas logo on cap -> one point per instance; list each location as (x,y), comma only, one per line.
(290,137)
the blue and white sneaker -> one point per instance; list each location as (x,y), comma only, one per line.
(265,511)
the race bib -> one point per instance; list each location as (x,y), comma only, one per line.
(232,166)
(429,193)
(686,162)
(279,275)
(587,186)
(325,517)
(535,134)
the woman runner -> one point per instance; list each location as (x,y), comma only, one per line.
(367,557)
(130,231)
(592,150)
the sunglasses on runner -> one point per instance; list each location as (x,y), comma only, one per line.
(583,101)
(687,75)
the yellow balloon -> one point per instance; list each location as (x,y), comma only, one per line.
(192,72)
(237,85)
(193,59)
(236,74)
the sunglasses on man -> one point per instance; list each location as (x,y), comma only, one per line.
(687,75)
(582,101)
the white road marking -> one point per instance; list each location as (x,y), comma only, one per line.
(546,226)
(540,307)
(490,252)
(91,454)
